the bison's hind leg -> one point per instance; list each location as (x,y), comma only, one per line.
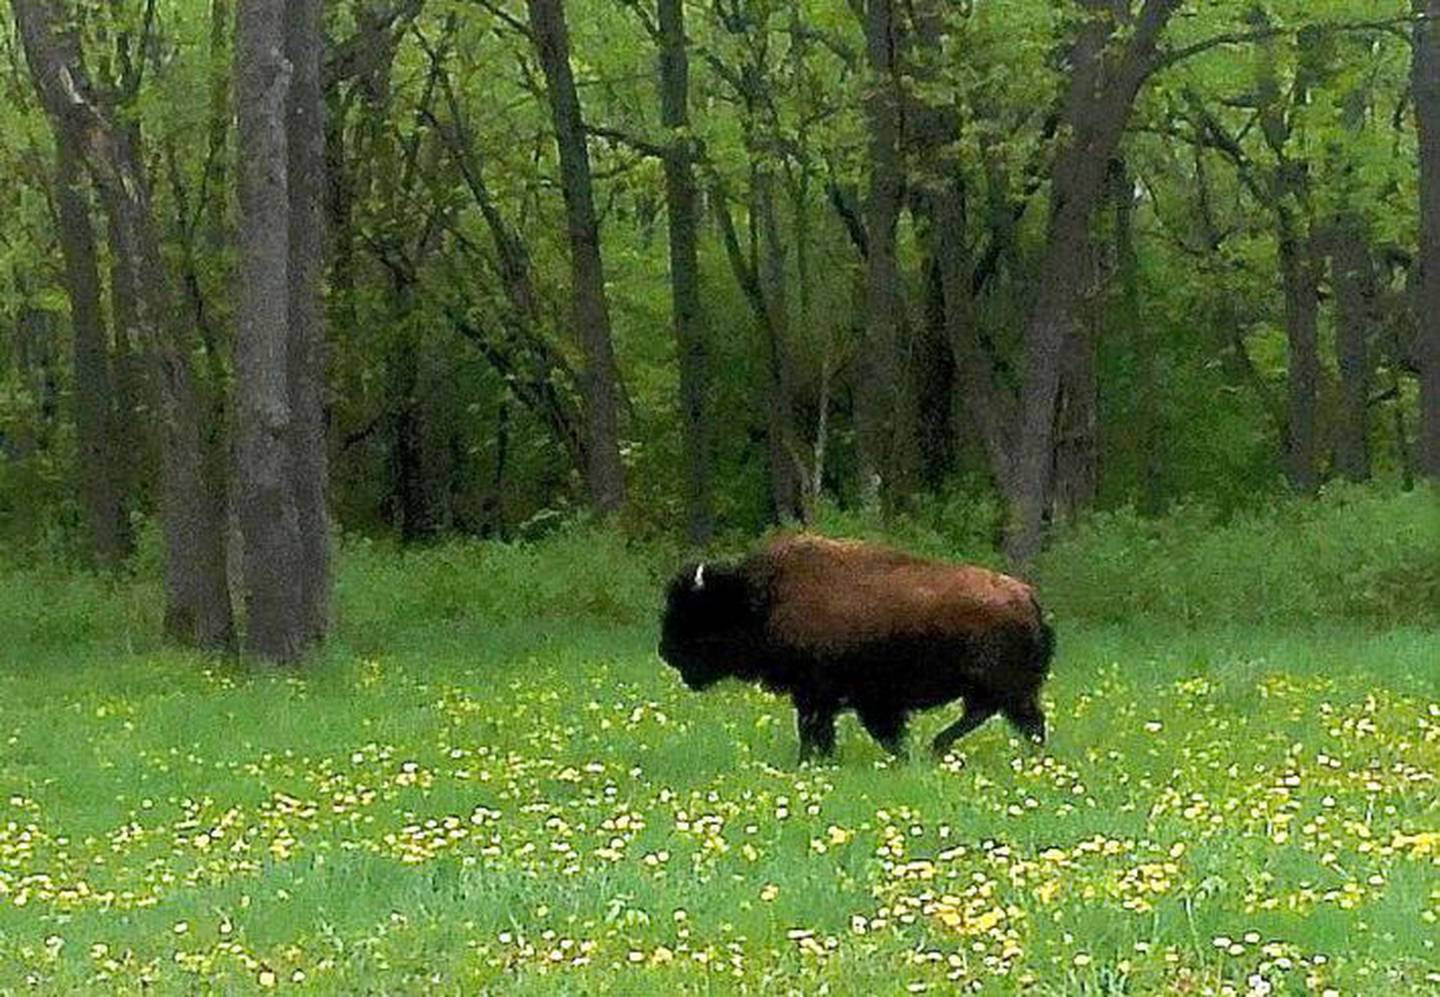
(815,722)
(977,711)
(1028,719)
(887,727)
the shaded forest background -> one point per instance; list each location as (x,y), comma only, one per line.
(727,263)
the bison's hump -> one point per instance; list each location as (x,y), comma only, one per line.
(827,593)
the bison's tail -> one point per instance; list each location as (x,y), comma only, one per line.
(1044,642)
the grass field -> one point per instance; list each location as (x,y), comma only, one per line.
(529,802)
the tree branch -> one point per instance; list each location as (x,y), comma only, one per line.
(1164,59)
(621,137)
(745,274)
(844,203)
(646,21)
(502,14)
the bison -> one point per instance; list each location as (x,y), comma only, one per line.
(840,625)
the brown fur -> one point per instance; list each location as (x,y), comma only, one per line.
(840,624)
(829,593)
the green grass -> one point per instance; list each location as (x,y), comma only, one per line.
(468,794)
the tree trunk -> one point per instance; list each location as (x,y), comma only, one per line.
(934,381)
(1076,471)
(198,608)
(218,127)
(939,201)
(1302,332)
(1426,85)
(216,239)
(98,448)
(765,290)
(1102,91)
(200,611)
(1145,417)
(991,409)
(37,360)
(786,499)
(809,459)
(1353,276)
(933,130)
(305,149)
(880,382)
(681,198)
(589,306)
(137,445)
(265,467)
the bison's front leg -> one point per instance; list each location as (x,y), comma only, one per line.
(816,724)
(977,711)
(887,727)
(1028,719)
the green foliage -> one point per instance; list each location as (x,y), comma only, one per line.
(39,518)
(50,611)
(581,574)
(777,90)
(961,523)
(1355,555)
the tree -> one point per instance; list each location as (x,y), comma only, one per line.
(590,308)
(682,206)
(1426,83)
(760,263)
(884,434)
(1063,257)
(1353,277)
(198,608)
(1110,62)
(1142,340)
(265,462)
(280,467)
(96,415)
(936,195)
(305,359)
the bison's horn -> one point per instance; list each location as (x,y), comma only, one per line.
(699,577)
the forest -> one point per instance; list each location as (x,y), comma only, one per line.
(412,345)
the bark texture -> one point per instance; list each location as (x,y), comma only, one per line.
(1353,277)
(590,310)
(198,608)
(881,386)
(682,208)
(265,468)
(96,418)
(305,360)
(1111,61)
(1426,85)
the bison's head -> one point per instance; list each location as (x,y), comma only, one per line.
(709,624)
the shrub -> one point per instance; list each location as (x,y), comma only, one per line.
(54,610)
(580,572)
(958,524)
(1355,553)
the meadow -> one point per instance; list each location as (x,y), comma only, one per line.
(489,782)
